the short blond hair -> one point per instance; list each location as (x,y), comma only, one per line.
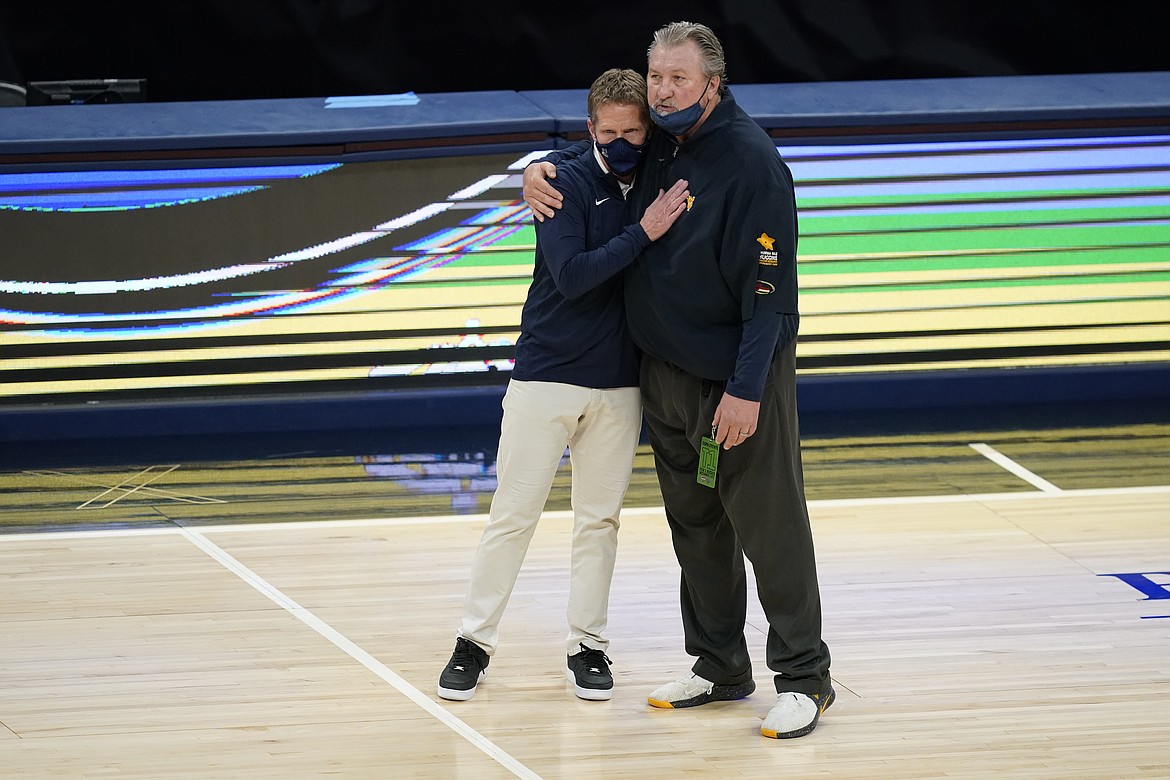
(622,86)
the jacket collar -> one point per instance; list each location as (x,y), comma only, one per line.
(719,116)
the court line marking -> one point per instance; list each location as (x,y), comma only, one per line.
(373,522)
(355,652)
(997,457)
(126,491)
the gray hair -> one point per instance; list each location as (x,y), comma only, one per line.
(710,50)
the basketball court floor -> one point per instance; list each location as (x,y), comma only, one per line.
(996,599)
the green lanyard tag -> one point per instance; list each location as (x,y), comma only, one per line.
(708,460)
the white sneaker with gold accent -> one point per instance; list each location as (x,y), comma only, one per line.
(796,714)
(691,690)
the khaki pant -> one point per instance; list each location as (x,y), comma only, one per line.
(600,428)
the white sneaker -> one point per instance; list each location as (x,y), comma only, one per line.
(795,714)
(692,690)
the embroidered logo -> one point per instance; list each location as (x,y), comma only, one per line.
(690,201)
(767,255)
(764,288)
(599,202)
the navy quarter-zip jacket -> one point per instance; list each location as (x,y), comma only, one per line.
(573,326)
(730,259)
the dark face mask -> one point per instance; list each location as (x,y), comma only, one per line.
(621,155)
(679,123)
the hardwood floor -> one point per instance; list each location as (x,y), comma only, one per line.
(996,610)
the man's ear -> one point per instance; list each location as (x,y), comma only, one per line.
(589,125)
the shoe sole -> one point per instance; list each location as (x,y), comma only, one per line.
(717,693)
(806,729)
(589,694)
(454,694)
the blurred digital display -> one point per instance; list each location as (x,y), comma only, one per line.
(984,254)
(224,280)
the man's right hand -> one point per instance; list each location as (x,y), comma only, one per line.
(542,198)
(665,209)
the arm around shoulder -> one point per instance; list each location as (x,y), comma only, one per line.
(542,198)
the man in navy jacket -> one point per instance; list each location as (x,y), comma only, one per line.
(713,306)
(575,385)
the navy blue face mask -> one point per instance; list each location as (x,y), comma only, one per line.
(679,123)
(621,155)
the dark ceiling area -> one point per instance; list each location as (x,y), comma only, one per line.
(221,50)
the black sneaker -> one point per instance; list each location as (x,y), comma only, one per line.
(589,673)
(468,665)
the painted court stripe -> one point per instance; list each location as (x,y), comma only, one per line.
(1002,460)
(358,654)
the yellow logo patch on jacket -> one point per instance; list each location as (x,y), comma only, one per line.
(767,255)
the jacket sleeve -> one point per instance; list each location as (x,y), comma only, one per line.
(759,259)
(575,268)
(558,156)
(764,335)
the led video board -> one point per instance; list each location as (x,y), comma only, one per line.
(211,280)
